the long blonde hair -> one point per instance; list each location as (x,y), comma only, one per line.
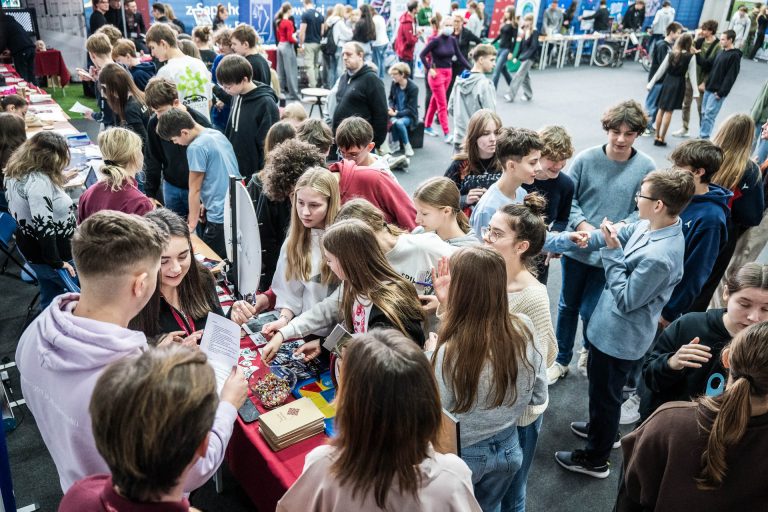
(362,209)
(122,154)
(442,192)
(299,248)
(369,275)
(734,137)
(748,361)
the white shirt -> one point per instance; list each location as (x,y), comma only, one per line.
(193,82)
(381,30)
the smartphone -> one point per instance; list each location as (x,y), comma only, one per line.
(255,324)
(248,412)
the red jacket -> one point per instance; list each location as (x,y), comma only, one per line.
(405,42)
(285,32)
(378,188)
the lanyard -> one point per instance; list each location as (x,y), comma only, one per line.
(187,324)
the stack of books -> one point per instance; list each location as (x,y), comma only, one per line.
(291,423)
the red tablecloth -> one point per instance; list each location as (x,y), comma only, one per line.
(263,474)
(51,63)
(272,56)
(14,76)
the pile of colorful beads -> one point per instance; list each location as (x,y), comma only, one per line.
(271,390)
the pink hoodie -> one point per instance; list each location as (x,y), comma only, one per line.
(60,356)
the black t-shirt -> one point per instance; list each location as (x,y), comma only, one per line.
(97,21)
(559,195)
(314,22)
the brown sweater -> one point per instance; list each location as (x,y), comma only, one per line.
(663,457)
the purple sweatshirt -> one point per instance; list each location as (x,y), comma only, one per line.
(60,356)
(443,49)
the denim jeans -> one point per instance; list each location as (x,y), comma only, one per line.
(49,282)
(400,130)
(501,68)
(582,286)
(494,462)
(378,58)
(514,500)
(710,107)
(176,199)
(652,104)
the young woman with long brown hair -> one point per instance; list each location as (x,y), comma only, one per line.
(437,202)
(186,291)
(708,454)
(125,100)
(487,369)
(13,133)
(741,175)
(476,167)
(382,456)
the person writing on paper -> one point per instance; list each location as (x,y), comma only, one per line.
(399,469)
(186,291)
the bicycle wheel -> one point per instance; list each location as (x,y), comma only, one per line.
(604,55)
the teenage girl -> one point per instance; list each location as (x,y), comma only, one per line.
(438,211)
(14,104)
(202,39)
(685,362)
(302,278)
(13,133)
(709,454)
(125,100)
(517,232)
(488,369)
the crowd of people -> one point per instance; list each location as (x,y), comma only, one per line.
(444,290)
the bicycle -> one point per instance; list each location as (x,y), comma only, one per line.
(612,53)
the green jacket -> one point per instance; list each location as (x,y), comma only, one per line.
(760,108)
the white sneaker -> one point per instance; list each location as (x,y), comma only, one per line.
(395,162)
(630,410)
(583,358)
(556,372)
(408,150)
(384,149)
(394,147)
(682,133)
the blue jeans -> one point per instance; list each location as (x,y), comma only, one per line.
(710,107)
(400,130)
(176,199)
(494,463)
(49,282)
(378,58)
(652,104)
(501,68)
(514,500)
(581,289)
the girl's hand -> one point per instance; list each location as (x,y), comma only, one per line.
(193,340)
(272,348)
(474,195)
(171,337)
(441,280)
(242,312)
(431,343)
(272,327)
(691,355)
(429,303)
(235,389)
(309,350)
(432,73)
(69,268)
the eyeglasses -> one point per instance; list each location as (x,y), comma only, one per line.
(346,155)
(490,234)
(639,195)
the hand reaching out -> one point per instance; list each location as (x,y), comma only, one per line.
(441,280)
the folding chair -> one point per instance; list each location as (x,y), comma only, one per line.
(9,248)
(69,282)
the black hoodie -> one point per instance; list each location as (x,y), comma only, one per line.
(362,94)
(725,69)
(251,117)
(664,384)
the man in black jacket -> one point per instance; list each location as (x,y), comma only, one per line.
(360,92)
(166,162)
(254,111)
(98,20)
(635,16)
(115,15)
(725,69)
(602,18)
(20,44)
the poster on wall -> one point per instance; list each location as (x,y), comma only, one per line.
(525,7)
(498,14)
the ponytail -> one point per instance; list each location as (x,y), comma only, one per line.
(441,192)
(463,221)
(116,175)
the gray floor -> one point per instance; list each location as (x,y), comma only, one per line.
(574,98)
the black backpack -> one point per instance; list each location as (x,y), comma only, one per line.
(327,44)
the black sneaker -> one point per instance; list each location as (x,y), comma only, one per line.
(581,429)
(578,462)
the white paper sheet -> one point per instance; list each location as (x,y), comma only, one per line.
(221,343)
(79,108)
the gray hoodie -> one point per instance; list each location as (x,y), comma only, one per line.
(471,92)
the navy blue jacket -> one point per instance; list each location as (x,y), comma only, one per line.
(411,101)
(142,73)
(705,232)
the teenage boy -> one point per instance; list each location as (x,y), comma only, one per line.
(554,185)
(725,69)
(172,386)
(707,46)
(245,42)
(124,53)
(167,169)
(211,163)
(254,111)
(62,353)
(192,78)
(100,54)
(643,263)
(658,53)
(310,33)
(605,180)
(358,178)
(519,153)
(472,91)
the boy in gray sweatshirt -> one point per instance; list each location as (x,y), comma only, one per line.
(473,91)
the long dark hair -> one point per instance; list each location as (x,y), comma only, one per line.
(682,45)
(12,135)
(383,438)
(118,83)
(469,150)
(365,30)
(195,295)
